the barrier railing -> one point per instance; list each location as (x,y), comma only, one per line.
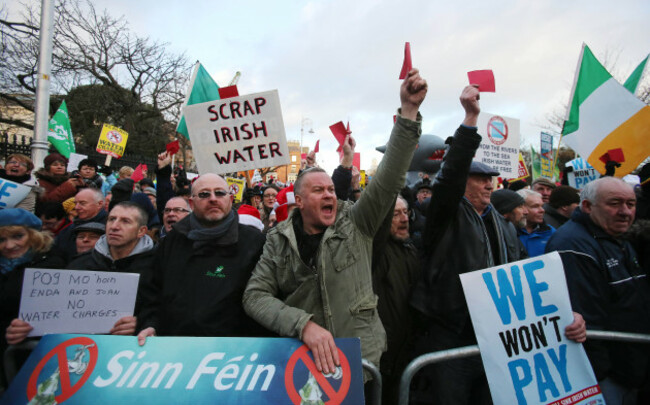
(376,382)
(467,351)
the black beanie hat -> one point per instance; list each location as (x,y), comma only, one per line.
(505,200)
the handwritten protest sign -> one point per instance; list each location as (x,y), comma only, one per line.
(74,301)
(112,141)
(499,148)
(519,312)
(237,187)
(238,133)
(582,173)
(12,193)
(78,369)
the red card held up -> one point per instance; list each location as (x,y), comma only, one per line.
(138,174)
(303,156)
(484,79)
(173,147)
(227,92)
(317,147)
(613,154)
(356,160)
(407,65)
(339,132)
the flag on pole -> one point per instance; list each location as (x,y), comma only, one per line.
(603,117)
(202,88)
(59,132)
(632,82)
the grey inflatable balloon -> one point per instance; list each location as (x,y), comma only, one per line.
(427,157)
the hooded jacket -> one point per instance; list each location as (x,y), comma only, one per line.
(198,292)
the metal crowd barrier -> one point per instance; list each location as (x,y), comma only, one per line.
(467,351)
(376,382)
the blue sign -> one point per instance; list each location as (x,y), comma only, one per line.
(78,369)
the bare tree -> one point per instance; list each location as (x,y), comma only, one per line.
(90,47)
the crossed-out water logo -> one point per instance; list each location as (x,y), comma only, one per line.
(62,371)
(497,130)
(319,389)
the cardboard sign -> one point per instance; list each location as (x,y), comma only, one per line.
(75,301)
(519,312)
(237,187)
(522,170)
(112,141)
(499,147)
(546,155)
(238,133)
(582,173)
(12,193)
(74,160)
(362,179)
(81,369)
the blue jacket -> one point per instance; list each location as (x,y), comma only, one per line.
(611,291)
(535,242)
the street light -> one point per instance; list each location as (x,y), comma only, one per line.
(305,122)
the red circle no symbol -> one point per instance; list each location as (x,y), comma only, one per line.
(497,130)
(67,390)
(335,397)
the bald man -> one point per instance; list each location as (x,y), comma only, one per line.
(200,270)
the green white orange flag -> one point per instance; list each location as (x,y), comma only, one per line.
(202,88)
(59,132)
(632,82)
(603,117)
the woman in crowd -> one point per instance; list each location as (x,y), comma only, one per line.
(58,184)
(22,245)
(18,168)
(268,200)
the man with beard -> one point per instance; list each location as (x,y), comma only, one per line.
(511,205)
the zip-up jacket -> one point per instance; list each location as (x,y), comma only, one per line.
(611,291)
(198,292)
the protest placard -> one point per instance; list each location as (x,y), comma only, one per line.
(73,161)
(76,301)
(582,173)
(238,133)
(81,369)
(519,312)
(112,141)
(499,147)
(546,155)
(237,187)
(12,193)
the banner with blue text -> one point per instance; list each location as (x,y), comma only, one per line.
(519,312)
(79,369)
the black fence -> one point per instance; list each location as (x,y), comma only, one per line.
(10,144)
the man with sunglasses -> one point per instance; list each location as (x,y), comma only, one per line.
(195,285)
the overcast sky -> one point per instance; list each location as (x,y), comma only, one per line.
(338,60)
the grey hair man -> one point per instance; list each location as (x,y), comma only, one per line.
(606,283)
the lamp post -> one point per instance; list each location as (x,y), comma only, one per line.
(305,122)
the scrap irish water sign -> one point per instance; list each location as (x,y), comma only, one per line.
(81,369)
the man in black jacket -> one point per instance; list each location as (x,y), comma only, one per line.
(200,270)
(463,233)
(125,248)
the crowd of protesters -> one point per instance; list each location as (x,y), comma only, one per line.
(321,259)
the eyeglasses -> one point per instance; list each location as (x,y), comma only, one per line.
(217,193)
(175,210)
(15,162)
(269,195)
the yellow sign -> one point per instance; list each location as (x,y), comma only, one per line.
(112,141)
(362,179)
(236,187)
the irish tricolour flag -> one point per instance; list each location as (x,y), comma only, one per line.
(605,118)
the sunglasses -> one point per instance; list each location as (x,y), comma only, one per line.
(217,193)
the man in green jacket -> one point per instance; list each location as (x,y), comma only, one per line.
(313,280)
